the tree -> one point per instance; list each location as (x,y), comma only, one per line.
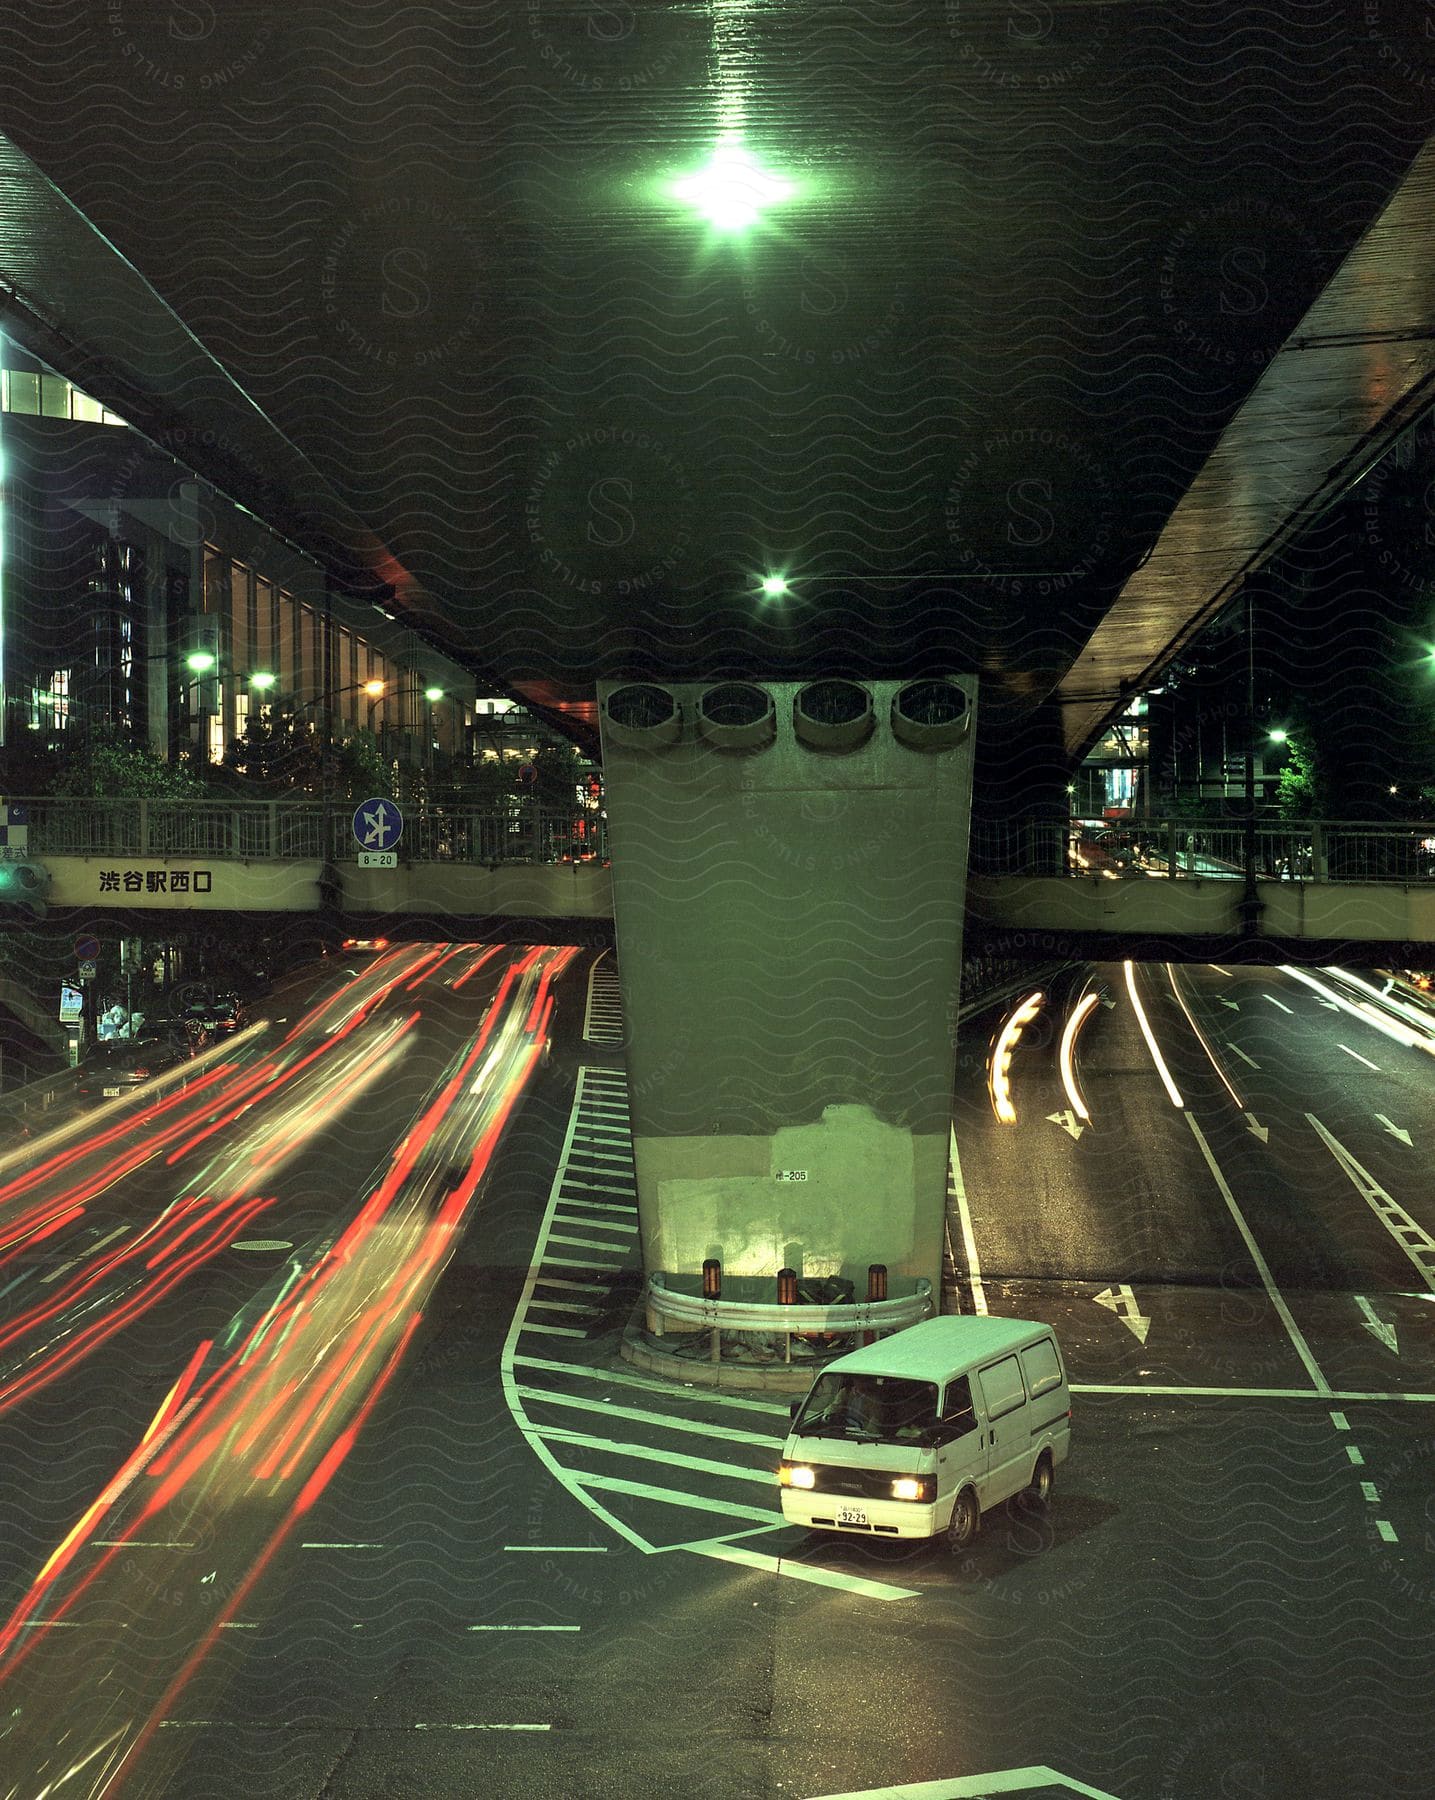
(1301,793)
(107,764)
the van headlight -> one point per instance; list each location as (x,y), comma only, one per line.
(798,1475)
(914,1487)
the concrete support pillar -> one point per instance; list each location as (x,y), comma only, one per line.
(789,867)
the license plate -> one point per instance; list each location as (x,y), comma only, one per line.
(851,1515)
(113,1093)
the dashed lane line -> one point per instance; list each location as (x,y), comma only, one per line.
(553,1330)
(1358,1057)
(582,1262)
(577,1243)
(556,1549)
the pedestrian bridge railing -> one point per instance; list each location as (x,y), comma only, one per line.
(1306,850)
(306,830)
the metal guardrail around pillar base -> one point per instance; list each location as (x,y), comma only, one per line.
(776,1323)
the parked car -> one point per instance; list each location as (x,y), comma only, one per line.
(111,1069)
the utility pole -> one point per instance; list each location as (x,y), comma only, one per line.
(1250,906)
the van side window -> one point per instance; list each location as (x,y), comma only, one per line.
(957,1408)
(1002,1391)
(1043,1371)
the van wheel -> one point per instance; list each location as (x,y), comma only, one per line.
(966,1517)
(1039,1493)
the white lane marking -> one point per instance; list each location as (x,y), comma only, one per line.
(729,1434)
(1247,1393)
(601,1156)
(1358,1057)
(1273,1293)
(572,1287)
(553,1330)
(620,1225)
(598,1206)
(1340,1422)
(1280,1003)
(577,1243)
(1219,970)
(969,1243)
(569,1306)
(779,1565)
(1371,1492)
(317,1546)
(638,1490)
(582,1262)
(510,1350)
(611,1377)
(599,1187)
(143,1543)
(1396,1131)
(602,1008)
(1413,1239)
(670,1459)
(525,1627)
(1387,1531)
(1237,1050)
(1356,1458)
(430,1725)
(557,1549)
(977,1787)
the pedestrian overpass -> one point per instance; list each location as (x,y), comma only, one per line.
(1313,889)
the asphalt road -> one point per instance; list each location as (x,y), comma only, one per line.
(537,1572)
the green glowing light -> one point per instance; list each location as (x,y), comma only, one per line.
(433,694)
(261,680)
(733,189)
(774,587)
(200,662)
(1277,736)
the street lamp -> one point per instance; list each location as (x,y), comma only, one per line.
(732,189)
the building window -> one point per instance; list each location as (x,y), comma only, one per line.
(22,391)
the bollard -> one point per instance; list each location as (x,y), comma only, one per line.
(712,1290)
(876,1290)
(787,1296)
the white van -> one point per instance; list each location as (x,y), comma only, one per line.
(923,1431)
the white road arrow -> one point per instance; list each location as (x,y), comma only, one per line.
(1067,1121)
(1377,1327)
(1254,1126)
(1234,1005)
(1394,1130)
(1122,1302)
(1329,1005)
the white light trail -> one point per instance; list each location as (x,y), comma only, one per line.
(1150,1038)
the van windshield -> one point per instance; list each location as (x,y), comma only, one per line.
(875,1409)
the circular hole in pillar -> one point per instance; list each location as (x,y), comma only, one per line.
(930,715)
(833,715)
(737,715)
